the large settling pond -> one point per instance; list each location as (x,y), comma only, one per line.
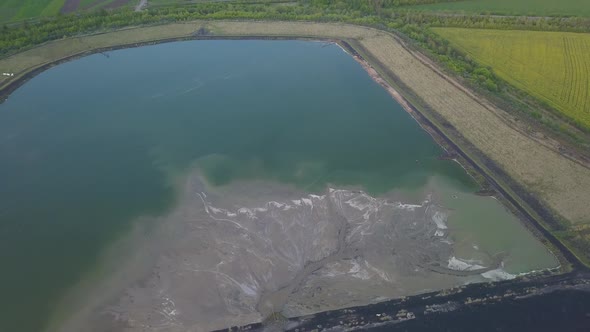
(200,185)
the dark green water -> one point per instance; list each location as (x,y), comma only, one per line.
(90,145)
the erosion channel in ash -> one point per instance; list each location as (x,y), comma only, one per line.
(207,184)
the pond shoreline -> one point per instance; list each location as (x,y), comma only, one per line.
(433,130)
(488,182)
(564,254)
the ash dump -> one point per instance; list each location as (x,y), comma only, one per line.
(240,254)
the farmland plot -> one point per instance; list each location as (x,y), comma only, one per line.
(14,10)
(512,7)
(552,66)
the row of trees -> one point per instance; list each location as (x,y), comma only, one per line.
(387,16)
(451,57)
(384,14)
(13,39)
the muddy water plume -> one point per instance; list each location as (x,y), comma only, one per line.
(251,250)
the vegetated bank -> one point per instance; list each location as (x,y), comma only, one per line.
(518,163)
(12,11)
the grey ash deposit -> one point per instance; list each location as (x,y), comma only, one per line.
(239,254)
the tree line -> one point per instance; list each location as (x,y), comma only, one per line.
(383,14)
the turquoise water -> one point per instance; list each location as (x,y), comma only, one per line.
(89,146)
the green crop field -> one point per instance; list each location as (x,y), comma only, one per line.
(552,66)
(89,3)
(97,4)
(14,10)
(186,2)
(513,7)
(17,10)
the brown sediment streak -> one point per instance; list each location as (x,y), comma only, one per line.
(377,78)
(396,96)
(390,89)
